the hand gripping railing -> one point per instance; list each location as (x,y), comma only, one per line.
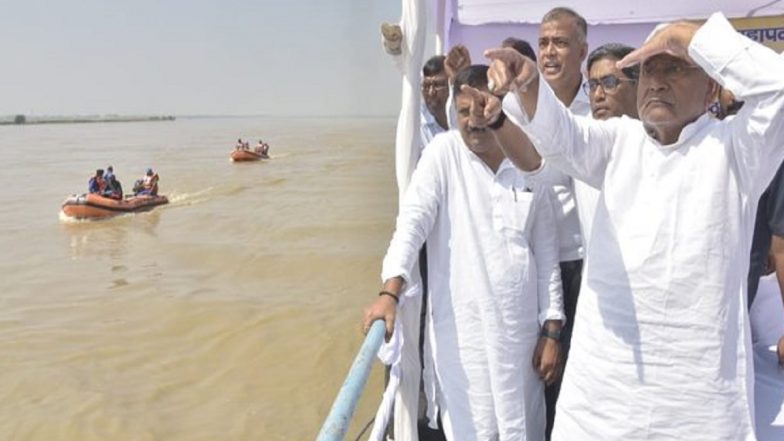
(336,424)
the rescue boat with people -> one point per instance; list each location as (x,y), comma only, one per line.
(241,155)
(93,206)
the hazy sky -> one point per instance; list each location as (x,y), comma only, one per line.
(185,57)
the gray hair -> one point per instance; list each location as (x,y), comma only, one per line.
(561,12)
(615,51)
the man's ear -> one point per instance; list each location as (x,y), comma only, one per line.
(713,92)
(584,51)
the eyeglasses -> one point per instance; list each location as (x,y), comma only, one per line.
(437,86)
(608,83)
(668,71)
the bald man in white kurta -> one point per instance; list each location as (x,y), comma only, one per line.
(661,348)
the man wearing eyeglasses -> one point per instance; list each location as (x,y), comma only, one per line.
(435,91)
(611,91)
(662,350)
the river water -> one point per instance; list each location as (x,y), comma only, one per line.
(230,314)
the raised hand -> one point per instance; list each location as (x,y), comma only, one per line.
(457,59)
(392,37)
(485,107)
(509,71)
(673,39)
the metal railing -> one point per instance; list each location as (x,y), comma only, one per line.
(336,424)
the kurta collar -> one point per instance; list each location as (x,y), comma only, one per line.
(505,164)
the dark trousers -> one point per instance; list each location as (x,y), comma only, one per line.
(425,432)
(571,277)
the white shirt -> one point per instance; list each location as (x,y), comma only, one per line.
(428,128)
(586,196)
(577,200)
(660,347)
(493,279)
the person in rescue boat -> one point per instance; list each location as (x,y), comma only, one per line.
(149,184)
(96,185)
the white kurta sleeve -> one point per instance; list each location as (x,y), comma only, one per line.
(418,213)
(544,243)
(578,146)
(755,74)
(546,174)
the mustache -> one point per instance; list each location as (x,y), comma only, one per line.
(647,99)
(477,129)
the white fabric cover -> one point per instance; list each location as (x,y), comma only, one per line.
(577,199)
(660,349)
(413,23)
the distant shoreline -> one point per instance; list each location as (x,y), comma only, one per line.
(10,120)
(21,120)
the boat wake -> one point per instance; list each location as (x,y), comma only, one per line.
(65,219)
(204,195)
(185,199)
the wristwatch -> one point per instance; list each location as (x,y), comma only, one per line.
(555,335)
(499,121)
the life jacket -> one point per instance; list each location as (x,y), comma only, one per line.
(93,186)
(100,183)
(151,183)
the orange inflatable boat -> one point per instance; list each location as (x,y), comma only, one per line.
(246,155)
(93,206)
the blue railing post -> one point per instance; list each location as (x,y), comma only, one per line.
(336,424)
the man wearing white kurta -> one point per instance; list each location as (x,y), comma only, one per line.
(493,282)
(661,345)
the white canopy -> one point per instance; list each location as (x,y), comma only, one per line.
(476,12)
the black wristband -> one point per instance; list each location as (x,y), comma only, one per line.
(555,335)
(387,293)
(498,122)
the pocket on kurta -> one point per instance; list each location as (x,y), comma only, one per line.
(516,218)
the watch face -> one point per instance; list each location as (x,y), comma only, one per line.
(555,335)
